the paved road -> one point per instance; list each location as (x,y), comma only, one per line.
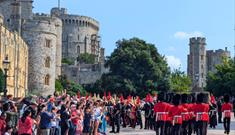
(218,131)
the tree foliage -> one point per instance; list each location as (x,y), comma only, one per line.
(67,61)
(71,87)
(132,64)
(223,80)
(58,86)
(180,82)
(86,58)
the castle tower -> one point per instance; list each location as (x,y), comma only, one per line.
(42,35)
(80,35)
(26,9)
(216,58)
(15,10)
(15,17)
(197,63)
(1,19)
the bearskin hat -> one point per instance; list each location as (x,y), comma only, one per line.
(176,99)
(161,96)
(184,98)
(205,97)
(226,98)
(200,97)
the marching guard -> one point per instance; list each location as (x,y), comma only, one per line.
(161,112)
(227,109)
(201,110)
(176,113)
(185,114)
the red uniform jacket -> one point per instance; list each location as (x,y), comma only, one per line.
(161,109)
(176,113)
(185,113)
(227,109)
(191,110)
(201,111)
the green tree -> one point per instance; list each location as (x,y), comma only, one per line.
(71,87)
(223,80)
(1,81)
(132,64)
(58,86)
(180,82)
(67,61)
(86,58)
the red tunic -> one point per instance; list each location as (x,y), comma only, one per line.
(227,109)
(185,113)
(161,110)
(175,112)
(201,112)
(191,110)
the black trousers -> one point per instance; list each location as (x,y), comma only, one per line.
(160,127)
(185,127)
(190,126)
(168,128)
(227,124)
(220,117)
(176,129)
(116,121)
(139,121)
(123,119)
(147,123)
(201,127)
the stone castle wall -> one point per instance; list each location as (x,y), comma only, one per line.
(37,33)
(13,46)
(85,73)
(80,34)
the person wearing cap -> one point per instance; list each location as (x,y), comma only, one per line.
(185,113)
(138,112)
(201,110)
(176,113)
(161,112)
(227,109)
(117,116)
(147,112)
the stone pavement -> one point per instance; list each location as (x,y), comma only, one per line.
(218,131)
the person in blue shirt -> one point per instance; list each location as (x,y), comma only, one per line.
(45,121)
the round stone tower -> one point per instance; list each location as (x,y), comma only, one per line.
(80,34)
(43,35)
(1,19)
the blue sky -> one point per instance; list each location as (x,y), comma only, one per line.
(166,23)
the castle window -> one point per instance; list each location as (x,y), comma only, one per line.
(66,21)
(76,21)
(202,57)
(74,72)
(73,21)
(78,49)
(70,21)
(202,75)
(47,62)
(47,79)
(201,66)
(48,43)
(80,22)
